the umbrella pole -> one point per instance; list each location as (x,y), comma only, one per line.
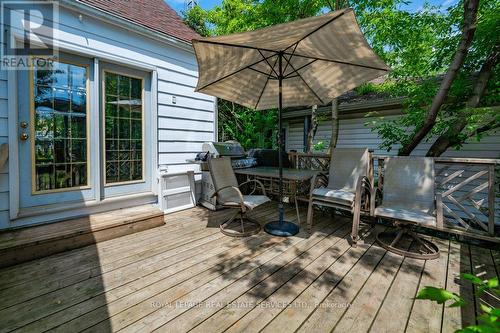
(280,139)
(281,227)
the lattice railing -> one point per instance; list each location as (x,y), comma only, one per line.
(310,161)
(468,189)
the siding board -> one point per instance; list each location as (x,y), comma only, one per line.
(179,147)
(179,124)
(3,89)
(182,113)
(182,90)
(3,109)
(165,98)
(172,135)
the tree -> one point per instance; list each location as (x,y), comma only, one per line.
(468,30)
(335,102)
(313,129)
(435,55)
(419,55)
(454,135)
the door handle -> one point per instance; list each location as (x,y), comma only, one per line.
(23,124)
(24,136)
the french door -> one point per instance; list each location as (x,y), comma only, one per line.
(126,158)
(59,157)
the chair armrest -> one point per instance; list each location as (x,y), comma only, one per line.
(256,182)
(363,189)
(320,176)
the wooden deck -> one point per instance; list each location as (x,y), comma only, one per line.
(24,244)
(186,275)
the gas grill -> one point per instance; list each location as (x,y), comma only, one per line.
(239,160)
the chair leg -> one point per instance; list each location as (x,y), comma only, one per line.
(310,212)
(405,242)
(355,227)
(297,209)
(243,228)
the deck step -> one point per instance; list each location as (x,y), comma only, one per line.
(20,245)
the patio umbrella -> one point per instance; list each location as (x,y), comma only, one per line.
(305,62)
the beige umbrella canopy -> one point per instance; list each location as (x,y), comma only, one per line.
(306,62)
(322,57)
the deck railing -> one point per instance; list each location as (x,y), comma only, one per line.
(469,187)
(310,161)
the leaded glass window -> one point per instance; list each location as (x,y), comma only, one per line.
(123,128)
(60,127)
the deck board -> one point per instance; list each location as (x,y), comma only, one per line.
(187,276)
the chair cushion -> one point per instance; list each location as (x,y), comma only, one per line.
(341,197)
(402,214)
(250,201)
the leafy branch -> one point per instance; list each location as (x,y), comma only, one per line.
(488,322)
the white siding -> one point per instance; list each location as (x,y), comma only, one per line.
(182,126)
(354,133)
(4,171)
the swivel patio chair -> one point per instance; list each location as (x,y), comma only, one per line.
(348,186)
(228,194)
(409,200)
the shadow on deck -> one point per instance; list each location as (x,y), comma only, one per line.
(186,275)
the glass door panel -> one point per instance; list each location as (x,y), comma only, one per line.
(125,113)
(54,129)
(60,127)
(123,128)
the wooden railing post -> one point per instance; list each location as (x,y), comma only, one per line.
(491,200)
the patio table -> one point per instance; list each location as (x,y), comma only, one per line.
(295,181)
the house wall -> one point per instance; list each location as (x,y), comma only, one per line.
(4,171)
(353,133)
(182,126)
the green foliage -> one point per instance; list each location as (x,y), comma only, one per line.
(320,146)
(419,52)
(196,18)
(419,47)
(251,128)
(440,296)
(488,322)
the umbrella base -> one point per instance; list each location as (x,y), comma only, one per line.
(281,229)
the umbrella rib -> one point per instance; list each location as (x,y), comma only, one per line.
(298,69)
(340,62)
(236,72)
(272,67)
(288,60)
(261,72)
(308,86)
(265,85)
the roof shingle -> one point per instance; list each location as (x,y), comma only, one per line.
(152,14)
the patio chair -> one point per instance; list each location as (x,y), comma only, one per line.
(348,186)
(228,194)
(408,198)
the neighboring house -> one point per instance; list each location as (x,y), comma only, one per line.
(90,135)
(355,130)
